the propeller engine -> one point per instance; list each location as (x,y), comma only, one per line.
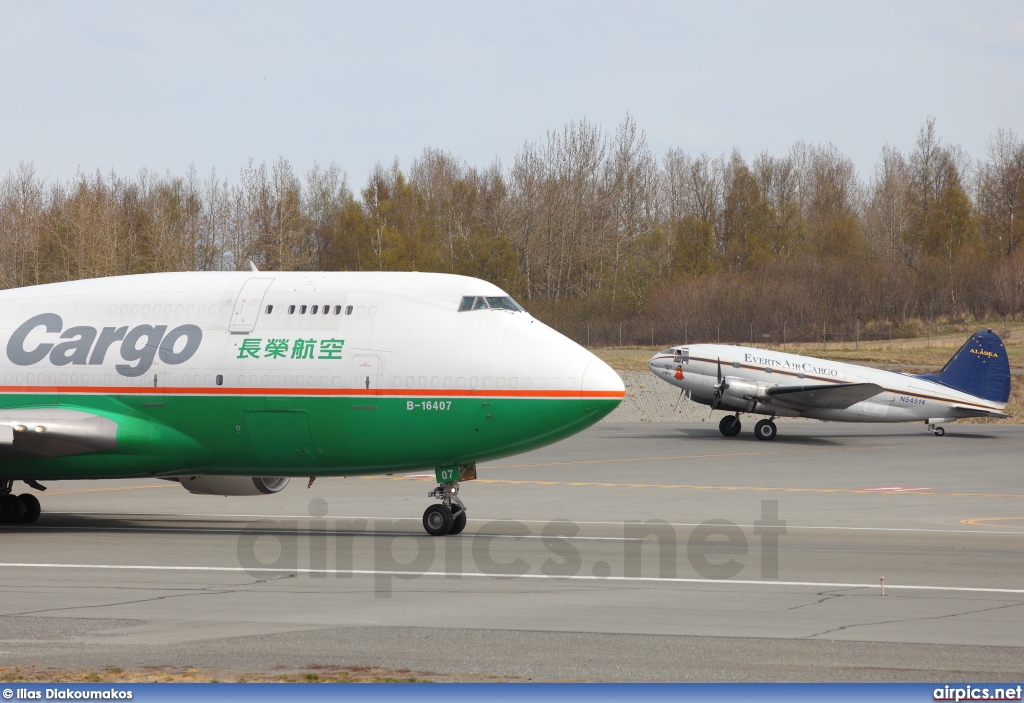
(720,387)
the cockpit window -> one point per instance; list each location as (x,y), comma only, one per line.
(504,303)
(679,355)
(471,302)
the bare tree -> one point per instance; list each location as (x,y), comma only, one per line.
(631,184)
(23,209)
(887,212)
(1001,193)
(830,203)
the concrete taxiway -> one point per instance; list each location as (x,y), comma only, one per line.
(633,551)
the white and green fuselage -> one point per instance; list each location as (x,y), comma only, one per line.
(283,374)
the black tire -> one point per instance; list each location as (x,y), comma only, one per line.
(12,510)
(437,520)
(730,426)
(939,432)
(458,523)
(725,425)
(32,507)
(765,430)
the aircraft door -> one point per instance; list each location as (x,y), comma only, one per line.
(159,380)
(248,304)
(369,372)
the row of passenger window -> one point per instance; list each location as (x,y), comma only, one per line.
(324,309)
(286,381)
(268,381)
(313,309)
(488,382)
(212,309)
(74,379)
(186,380)
(169,309)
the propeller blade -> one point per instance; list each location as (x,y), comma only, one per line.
(719,370)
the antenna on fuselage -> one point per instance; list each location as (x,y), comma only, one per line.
(253,267)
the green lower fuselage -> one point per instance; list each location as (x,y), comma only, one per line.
(289,435)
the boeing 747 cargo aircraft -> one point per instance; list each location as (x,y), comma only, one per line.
(230,383)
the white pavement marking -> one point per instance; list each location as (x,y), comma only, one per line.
(453,574)
(896,489)
(485,520)
(326,533)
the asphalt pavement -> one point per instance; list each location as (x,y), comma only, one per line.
(633,551)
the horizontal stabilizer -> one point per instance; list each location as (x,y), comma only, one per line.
(824,396)
(963,411)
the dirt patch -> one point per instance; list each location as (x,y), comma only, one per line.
(312,674)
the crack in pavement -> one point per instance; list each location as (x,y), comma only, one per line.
(921,619)
(826,596)
(208,590)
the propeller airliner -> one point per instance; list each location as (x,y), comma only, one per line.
(230,382)
(975,382)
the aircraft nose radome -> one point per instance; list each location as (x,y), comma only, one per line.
(601,387)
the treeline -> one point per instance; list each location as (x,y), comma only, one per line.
(586,228)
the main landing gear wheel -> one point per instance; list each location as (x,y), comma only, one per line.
(936,430)
(766,430)
(730,425)
(448,518)
(12,510)
(458,522)
(32,507)
(438,520)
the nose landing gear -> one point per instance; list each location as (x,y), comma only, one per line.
(448,518)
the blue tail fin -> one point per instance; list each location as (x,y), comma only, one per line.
(980,368)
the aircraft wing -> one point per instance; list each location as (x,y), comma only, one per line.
(824,395)
(963,411)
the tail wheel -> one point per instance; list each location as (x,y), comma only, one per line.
(437,520)
(12,510)
(32,507)
(766,430)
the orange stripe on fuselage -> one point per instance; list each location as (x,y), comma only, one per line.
(340,392)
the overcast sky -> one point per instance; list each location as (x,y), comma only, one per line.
(126,85)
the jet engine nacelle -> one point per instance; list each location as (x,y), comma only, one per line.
(233,485)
